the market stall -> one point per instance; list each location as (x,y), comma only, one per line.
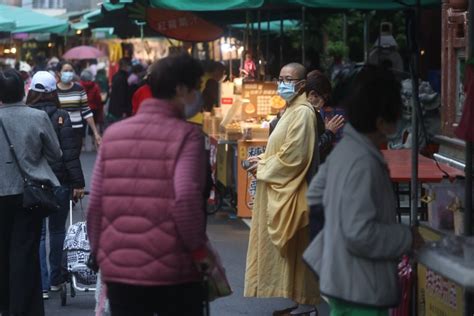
(239,129)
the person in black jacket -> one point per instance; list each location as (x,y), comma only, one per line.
(318,91)
(43,96)
(120,105)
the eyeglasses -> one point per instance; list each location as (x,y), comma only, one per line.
(287,80)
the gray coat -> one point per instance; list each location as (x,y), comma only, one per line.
(356,253)
(35,142)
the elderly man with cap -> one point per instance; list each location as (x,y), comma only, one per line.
(280,224)
(43,96)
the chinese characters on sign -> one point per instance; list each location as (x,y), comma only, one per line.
(181,25)
(442,288)
(251,181)
(260,95)
(163,26)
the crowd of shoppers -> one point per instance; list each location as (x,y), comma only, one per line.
(146,216)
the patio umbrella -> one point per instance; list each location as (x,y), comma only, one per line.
(83,52)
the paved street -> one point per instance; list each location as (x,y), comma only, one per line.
(229,236)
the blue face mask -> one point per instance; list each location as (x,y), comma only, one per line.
(67,76)
(286,90)
(194,108)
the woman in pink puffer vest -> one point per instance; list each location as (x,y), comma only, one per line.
(146,218)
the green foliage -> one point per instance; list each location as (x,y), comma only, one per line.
(336,49)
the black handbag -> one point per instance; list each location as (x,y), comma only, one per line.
(38,196)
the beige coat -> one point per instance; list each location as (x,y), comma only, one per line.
(280,231)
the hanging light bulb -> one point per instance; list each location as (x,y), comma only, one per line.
(13,50)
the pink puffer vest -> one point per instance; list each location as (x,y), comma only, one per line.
(146,214)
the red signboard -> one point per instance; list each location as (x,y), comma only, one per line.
(183,26)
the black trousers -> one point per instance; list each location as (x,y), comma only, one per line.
(174,300)
(20,277)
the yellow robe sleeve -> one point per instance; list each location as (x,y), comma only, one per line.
(285,175)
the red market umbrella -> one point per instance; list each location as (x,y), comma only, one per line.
(83,52)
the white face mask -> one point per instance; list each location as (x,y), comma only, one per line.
(67,76)
(286,90)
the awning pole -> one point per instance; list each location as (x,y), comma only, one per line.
(281,39)
(259,60)
(468,229)
(414,65)
(366,37)
(267,44)
(231,55)
(344,30)
(303,35)
(468,170)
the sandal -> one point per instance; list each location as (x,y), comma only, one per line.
(304,312)
(285,311)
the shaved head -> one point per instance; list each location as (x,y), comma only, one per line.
(297,70)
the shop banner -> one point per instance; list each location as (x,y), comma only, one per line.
(247,184)
(181,25)
(263,98)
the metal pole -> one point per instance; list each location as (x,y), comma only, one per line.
(259,63)
(231,55)
(267,44)
(344,30)
(414,67)
(281,38)
(414,117)
(468,170)
(468,229)
(303,35)
(366,37)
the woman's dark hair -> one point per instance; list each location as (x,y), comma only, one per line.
(12,86)
(35,97)
(62,64)
(375,94)
(319,82)
(170,72)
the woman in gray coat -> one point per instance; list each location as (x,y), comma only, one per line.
(35,142)
(356,253)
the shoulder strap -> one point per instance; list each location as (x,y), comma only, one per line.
(12,149)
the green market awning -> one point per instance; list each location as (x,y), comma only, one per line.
(222,5)
(90,17)
(79,26)
(28,21)
(274,25)
(6,25)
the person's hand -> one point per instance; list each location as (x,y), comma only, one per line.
(418,240)
(253,159)
(98,140)
(78,194)
(335,123)
(254,164)
(253,170)
(205,264)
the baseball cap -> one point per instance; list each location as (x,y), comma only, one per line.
(25,67)
(43,81)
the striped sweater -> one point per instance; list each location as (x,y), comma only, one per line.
(74,100)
